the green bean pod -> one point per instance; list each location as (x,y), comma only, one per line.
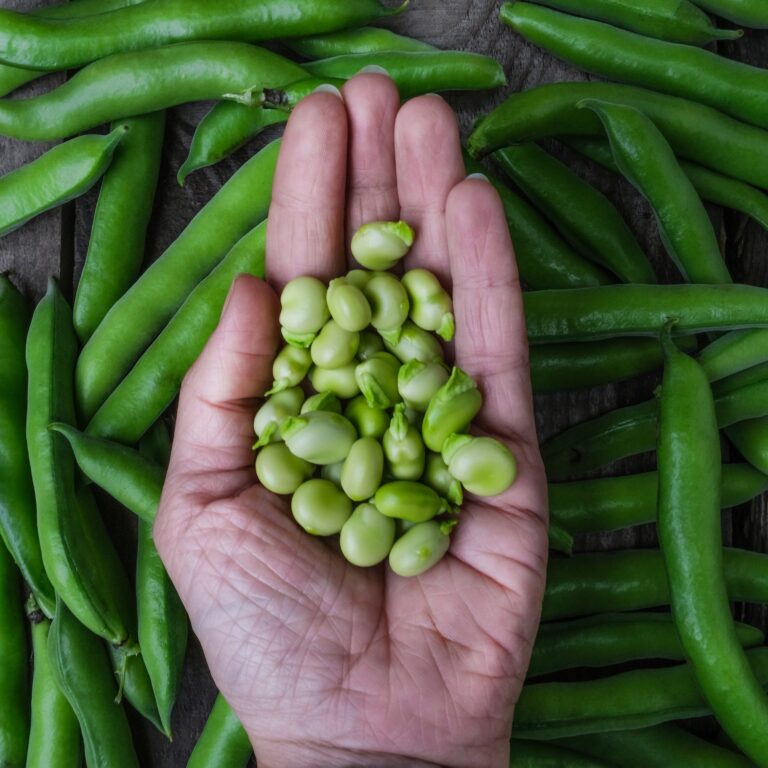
(116,245)
(367,536)
(18,514)
(379,245)
(419,548)
(377,379)
(320,437)
(645,158)
(78,555)
(587,219)
(751,439)
(134,685)
(223,742)
(82,671)
(744,12)
(143,394)
(275,411)
(736,88)
(483,465)
(55,43)
(451,409)
(611,503)
(363,469)
(403,447)
(656,747)
(140,315)
(734,352)
(408,500)
(437,476)
(320,507)
(541,754)
(695,131)
(389,305)
(14,690)
(279,470)
(54,735)
(63,173)
(360,40)
(367,420)
(334,347)
(322,401)
(614,638)
(431,305)
(558,539)
(340,381)
(290,368)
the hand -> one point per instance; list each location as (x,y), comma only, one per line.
(327,664)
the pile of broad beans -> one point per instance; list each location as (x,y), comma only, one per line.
(85,389)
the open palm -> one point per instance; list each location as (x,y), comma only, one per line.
(326,663)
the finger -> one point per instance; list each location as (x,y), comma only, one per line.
(372,102)
(429,165)
(490,343)
(214,424)
(305,230)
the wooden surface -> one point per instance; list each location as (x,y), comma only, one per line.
(55,244)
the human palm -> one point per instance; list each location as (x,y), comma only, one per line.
(326,663)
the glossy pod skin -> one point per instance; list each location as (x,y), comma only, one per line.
(363,469)
(367,536)
(83,674)
(419,549)
(18,513)
(134,684)
(407,500)
(734,352)
(78,555)
(695,131)
(116,245)
(360,40)
(587,219)
(144,310)
(733,87)
(137,83)
(608,639)
(677,21)
(584,314)
(611,503)
(636,699)
(279,470)
(751,439)
(223,742)
(745,12)
(320,507)
(63,173)
(645,158)
(540,754)
(54,736)
(56,43)
(451,409)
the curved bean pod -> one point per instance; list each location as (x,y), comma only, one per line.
(538,754)
(223,742)
(134,684)
(734,352)
(745,12)
(751,439)
(360,40)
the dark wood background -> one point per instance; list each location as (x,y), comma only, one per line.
(55,244)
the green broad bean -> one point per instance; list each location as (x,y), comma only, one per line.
(419,549)
(363,469)
(370,344)
(437,476)
(304,310)
(320,507)
(367,420)
(418,382)
(340,381)
(332,472)
(451,409)
(403,447)
(381,244)
(334,346)
(320,437)
(377,379)
(367,536)
(322,401)
(484,466)
(348,305)
(414,344)
(223,742)
(360,277)
(277,408)
(431,305)
(290,368)
(409,500)
(360,40)
(389,304)
(279,470)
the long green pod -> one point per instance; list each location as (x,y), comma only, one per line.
(557,710)
(134,685)
(139,316)
(223,742)
(695,131)
(635,579)
(712,186)
(746,12)
(18,514)
(558,538)
(116,245)
(155,379)
(656,747)
(54,735)
(751,439)
(587,219)
(360,40)
(645,158)
(734,352)
(14,690)
(57,43)
(84,675)
(137,83)
(608,639)
(585,314)
(63,173)
(163,625)
(539,754)
(677,21)
(611,503)
(732,86)
(77,553)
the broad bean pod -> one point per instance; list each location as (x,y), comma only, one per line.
(360,40)
(223,742)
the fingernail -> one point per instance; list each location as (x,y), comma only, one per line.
(328,88)
(479,176)
(373,69)
(232,289)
